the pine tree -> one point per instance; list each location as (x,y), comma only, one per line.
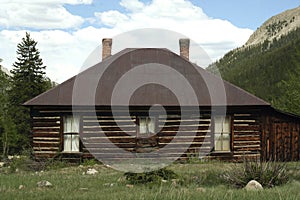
(28,81)
(8,135)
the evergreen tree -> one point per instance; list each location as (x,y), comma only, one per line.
(8,135)
(28,81)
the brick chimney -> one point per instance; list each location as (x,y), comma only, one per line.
(106,47)
(184,44)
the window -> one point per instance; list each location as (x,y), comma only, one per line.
(222,133)
(71,133)
(146,126)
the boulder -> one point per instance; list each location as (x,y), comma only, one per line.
(44,183)
(21,187)
(91,172)
(253,185)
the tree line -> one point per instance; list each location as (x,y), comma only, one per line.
(270,70)
(28,79)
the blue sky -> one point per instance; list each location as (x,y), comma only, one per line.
(242,13)
(68,31)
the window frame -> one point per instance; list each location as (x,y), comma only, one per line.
(71,134)
(229,133)
(145,135)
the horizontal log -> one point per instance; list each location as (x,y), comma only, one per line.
(246,138)
(239,143)
(246,134)
(98,128)
(46,124)
(40,119)
(97,149)
(46,148)
(185,145)
(38,129)
(184,128)
(173,134)
(109,145)
(108,123)
(106,140)
(246,154)
(108,134)
(245,118)
(45,138)
(247,128)
(42,145)
(184,123)
(44,153)
(46,134)
(180,140)
(246,148)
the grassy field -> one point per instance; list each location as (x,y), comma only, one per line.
(195,181)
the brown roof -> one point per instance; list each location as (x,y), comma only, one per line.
(142,77)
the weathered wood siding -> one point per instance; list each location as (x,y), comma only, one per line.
(246,135)
(268,135)
(281,138)
(175,132)
(46,135)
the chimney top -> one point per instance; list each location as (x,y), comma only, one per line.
(184,44)
(106,47)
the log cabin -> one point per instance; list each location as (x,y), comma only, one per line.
(137,103)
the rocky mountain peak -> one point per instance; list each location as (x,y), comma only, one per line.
(276,27)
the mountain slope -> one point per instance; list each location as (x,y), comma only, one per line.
(276,27)
(268,69)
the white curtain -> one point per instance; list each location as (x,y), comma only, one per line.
(67,142)
(71,124)
(222,133)
(71,141)
(75,143)
(147,125)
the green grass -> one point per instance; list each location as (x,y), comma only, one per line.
(196,181)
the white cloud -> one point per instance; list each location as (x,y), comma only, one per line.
(49,14)
(111,18)
(132,5)
(214,35)
(64,51)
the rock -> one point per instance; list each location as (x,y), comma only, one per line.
(91,172)
(109,184)
(122,179)
(44,184)
(253,185)
(1,164)
(174,182)
(21,187)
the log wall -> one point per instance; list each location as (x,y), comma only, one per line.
(246,135)
(267,136)
(281,138)
(46,134)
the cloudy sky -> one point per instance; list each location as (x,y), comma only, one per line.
(68,31)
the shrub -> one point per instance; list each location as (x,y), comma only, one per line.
(269,174)
(149,177)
